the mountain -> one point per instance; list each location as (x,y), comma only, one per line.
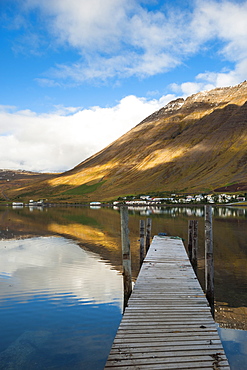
(11,179)
(189,146)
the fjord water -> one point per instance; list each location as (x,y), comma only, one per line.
(60,305)
(61,284)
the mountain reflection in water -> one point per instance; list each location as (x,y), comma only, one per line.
(34,253)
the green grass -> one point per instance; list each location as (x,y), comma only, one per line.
(83,189)
(82,219)
(229,184)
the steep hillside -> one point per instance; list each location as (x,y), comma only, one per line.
(192,145)
(11,179)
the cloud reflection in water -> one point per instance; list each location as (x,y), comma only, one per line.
(60,305)
(54,266)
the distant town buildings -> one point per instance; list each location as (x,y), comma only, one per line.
(181,199)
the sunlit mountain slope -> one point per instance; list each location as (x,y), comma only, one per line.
(192,145)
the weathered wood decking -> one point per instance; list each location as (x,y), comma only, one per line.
(167,324)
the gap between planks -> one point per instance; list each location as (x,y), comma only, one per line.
(167,324)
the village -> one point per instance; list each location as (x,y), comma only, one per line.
(188,199)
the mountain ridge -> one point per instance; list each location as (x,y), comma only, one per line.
(197,144)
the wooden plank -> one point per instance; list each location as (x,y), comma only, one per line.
(167,323)
(161,355)
(174,337)
(165,336)
(142,362)
(165,349)
(184,366)
(182,344)
(171,340)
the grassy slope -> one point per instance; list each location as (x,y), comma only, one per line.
(198,147)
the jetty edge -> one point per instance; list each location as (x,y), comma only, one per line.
(167,323)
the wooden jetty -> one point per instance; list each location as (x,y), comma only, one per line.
(167,324)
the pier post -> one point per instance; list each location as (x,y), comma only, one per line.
(194,246)
(142,241)
(190,237)
(148,233)
(126,255)
(193,243)
(209,263)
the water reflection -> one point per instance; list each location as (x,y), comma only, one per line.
(55,295)
(196,211)
(235,344)
(55,266)
(98,232)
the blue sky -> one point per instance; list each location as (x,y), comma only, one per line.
(77,74)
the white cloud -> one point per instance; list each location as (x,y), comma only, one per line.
(226,78)
(6,108)
(85,24)
(62,139)
(121,38)
(45,82)
(189,88)
(210,80)
(117,66)
(116,38)
(225,22)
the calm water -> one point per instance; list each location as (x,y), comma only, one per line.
(61,284)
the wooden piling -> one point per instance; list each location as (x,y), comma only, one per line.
(142,241)
(209,263)
(190,237)
(194,246)
(193,243)
(148,233)
(126,255)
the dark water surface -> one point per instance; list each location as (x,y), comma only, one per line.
(61,283)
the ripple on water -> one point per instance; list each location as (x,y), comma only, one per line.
(55,295)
